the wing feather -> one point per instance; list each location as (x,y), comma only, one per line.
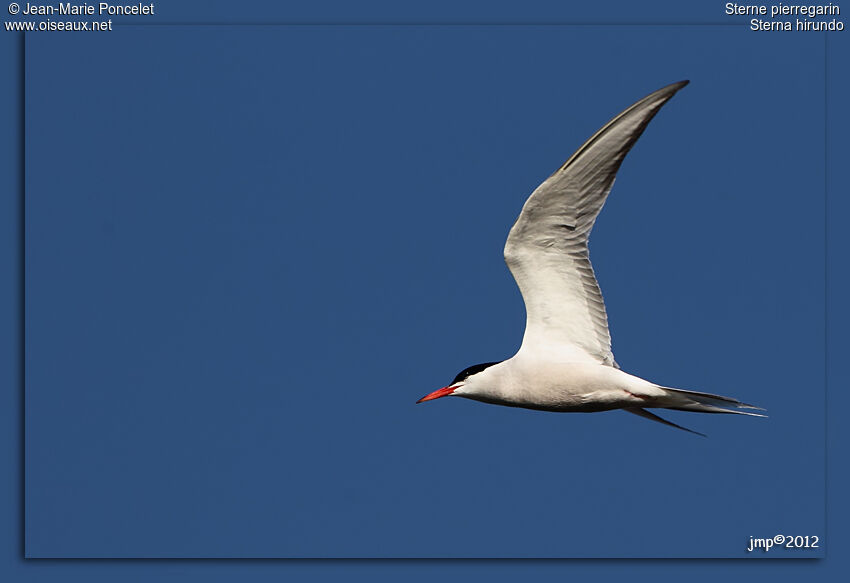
(547,249)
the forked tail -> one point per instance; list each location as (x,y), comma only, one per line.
(682,400)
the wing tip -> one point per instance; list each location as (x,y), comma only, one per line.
(673,87)
(668,91)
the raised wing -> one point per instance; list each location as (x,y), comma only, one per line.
(547,251)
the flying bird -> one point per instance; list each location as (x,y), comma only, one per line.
(565,361)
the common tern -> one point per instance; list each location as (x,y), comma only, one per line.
(565,362)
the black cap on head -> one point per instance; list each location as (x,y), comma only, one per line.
(474,369)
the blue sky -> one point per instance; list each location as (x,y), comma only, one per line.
(250,250)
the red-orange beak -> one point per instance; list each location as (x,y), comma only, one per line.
(445,391)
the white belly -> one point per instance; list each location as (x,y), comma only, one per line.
(562,386)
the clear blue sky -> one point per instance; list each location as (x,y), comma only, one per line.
(250,250)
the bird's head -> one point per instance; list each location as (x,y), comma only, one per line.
(462,385)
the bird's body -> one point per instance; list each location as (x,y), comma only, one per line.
(565,363)
(538,382)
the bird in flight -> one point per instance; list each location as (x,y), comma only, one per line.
(565,361)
